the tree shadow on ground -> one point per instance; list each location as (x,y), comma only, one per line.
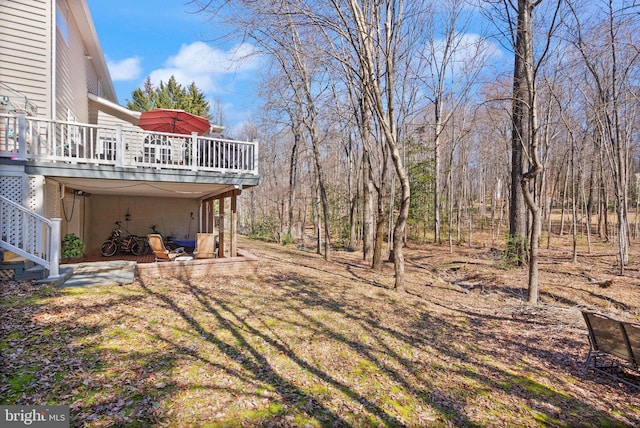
(53,354)
(252,361)
(516,376)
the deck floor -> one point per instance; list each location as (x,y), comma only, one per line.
(96,256)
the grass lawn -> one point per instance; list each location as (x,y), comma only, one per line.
(307,342)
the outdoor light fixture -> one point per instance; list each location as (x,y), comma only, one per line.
(127,216)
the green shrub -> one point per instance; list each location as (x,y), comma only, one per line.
(72,246)
(517,252)
(288,239)
(266,230)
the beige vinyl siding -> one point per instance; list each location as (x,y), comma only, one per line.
(92,79)
(25,46)
(52,206)
(71,77)
(109,120)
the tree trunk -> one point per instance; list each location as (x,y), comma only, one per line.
(382,216)
(532,292)
(368,215)
(574,208)
(370,247)
(519,131)
(293,168)
(564,203)
(436,171)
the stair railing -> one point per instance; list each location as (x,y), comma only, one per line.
(30,235)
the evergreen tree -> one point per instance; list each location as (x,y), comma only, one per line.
(170,95)
(142,98)
(194,102)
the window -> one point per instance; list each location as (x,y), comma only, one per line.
(106,148)
(157,149)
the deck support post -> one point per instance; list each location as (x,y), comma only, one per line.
(233,227)
(221,227)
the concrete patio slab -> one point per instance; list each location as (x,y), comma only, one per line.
(114,272)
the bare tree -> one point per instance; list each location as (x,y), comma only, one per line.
(290,46)
(525,127)
(453,59)
(609,51)
(374,30)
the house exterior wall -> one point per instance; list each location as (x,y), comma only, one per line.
(25,51)
(171,216)
(72,70)
(102,118)
(52,201)
(73,214)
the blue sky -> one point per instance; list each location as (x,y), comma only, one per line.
(154,38)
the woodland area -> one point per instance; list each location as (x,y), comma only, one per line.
(390,120)
(479,147)
(306,342)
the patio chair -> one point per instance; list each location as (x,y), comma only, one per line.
(206,245)
(160,251)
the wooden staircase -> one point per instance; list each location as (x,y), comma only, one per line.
(29,243)
(17,268)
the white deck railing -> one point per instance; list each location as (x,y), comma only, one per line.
(30,235)
(24,137)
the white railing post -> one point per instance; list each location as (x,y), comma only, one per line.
(195,153)
(22,136)
(255,157)
(52,149)
(54,248)
(121,146)
(26,137)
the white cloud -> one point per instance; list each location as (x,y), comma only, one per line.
(126,69)
(199,57)
(469,51)
(212,70)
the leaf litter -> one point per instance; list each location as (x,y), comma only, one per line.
(306,342)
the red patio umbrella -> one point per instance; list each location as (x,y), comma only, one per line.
(173,120)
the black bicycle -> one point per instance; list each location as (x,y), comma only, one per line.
(117,242)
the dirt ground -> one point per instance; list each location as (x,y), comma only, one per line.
(474,283)
(310,342)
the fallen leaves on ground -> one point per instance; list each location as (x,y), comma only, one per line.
(306,342)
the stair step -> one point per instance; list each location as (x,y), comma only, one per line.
(65,273)
(21,269)
(9,255)
(16,262)
(33,273)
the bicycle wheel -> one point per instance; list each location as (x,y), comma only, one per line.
(137,247)
(147,247)
(109,248)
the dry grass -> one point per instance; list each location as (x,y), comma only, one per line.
(314,343)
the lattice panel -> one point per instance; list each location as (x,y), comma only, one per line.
(11,188)
(34,189)
(7,274)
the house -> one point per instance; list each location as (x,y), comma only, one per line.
(72,160)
